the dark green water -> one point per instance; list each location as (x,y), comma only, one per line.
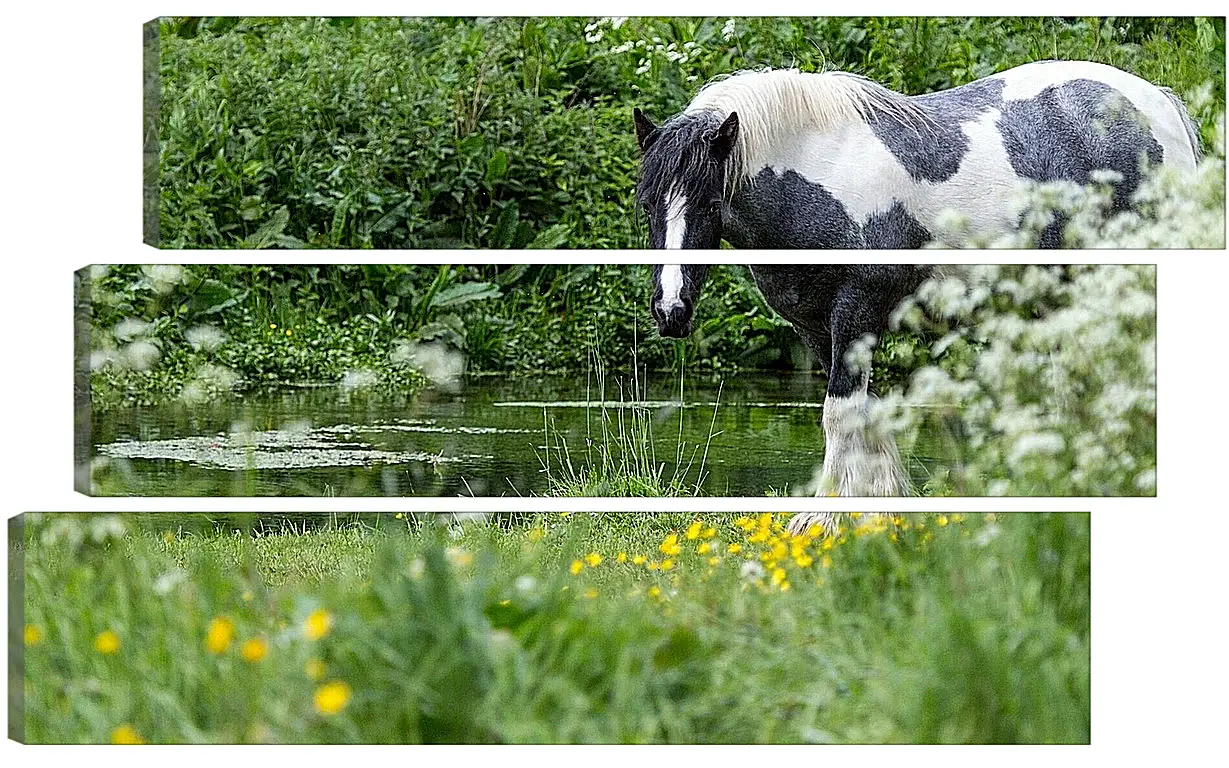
(486,439)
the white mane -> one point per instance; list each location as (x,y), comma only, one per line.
(773,104)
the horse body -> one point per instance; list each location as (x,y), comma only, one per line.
(783,159)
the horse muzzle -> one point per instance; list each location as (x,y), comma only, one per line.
(673,322)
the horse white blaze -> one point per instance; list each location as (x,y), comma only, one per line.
(676,219)
(671,286)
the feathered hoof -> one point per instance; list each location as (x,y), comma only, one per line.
(802,522)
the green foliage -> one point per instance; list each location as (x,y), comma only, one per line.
(583,628)
(515,132)
(157,329)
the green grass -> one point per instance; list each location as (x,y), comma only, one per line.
(579,628)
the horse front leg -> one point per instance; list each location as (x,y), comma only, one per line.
(860,459)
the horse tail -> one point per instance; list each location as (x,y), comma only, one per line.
(1192,133)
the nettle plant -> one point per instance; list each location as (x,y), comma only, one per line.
(1058,396)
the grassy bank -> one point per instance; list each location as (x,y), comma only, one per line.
(614,628)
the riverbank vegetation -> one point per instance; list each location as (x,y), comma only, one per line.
(716,628)
(514,132)
(1025,380)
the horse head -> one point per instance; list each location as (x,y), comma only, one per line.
(683,175)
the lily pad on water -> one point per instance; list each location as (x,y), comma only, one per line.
(274,449)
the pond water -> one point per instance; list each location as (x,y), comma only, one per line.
(745,435)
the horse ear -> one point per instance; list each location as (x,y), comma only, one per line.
(724,139)
(644,129)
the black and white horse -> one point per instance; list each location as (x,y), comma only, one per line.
(784,159)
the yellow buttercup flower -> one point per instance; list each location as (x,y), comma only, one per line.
(693,530)
(332,698)
(593,559)
(639,560)
(317,624)
(126,734)
(254,650)
(576,567)
(33,635)
(622,557)
(671,545)
(219,635)
(107,643)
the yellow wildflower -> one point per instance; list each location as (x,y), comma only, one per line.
(577,567)
(590,593)
(254,650)
(33,635)
(459,557)
(734,549)
(708,533)
(693,530)
(826,561)
(221,631)
(107,643)
(317,624)
(593,559)
(804,560)
(667,564)
(126,734)
(639,560)
(942,520)
(621,557)
(654,591)
(671,545)
(332,698)
(704,548)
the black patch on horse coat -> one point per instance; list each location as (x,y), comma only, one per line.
(758,215)
(1069,130)
(931,148)
(833,305)
(894,228)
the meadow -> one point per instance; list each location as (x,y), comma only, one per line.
(573,628)
(516,132)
